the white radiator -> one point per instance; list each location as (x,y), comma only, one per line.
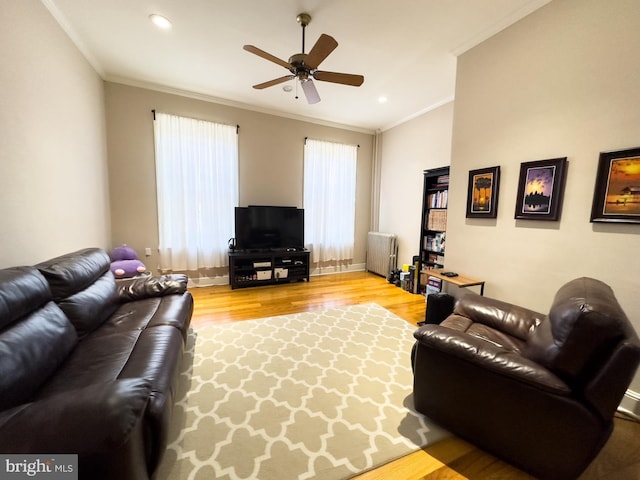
(382,252)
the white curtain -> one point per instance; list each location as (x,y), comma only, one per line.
(197,190)
(329,199)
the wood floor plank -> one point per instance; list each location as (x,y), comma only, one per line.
(450,459)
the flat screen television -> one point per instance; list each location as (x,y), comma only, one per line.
(260,227)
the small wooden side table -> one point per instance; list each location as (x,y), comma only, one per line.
(461,280)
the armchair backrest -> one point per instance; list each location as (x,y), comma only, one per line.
(519,322)
(585,330)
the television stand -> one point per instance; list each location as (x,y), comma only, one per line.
(252,269)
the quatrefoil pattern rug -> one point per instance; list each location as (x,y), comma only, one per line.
(317,395)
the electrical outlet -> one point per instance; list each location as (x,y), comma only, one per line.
(147,252)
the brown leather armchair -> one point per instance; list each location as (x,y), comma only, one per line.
(539,391)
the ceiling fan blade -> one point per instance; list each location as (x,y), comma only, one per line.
(321,50)
(310,91)
(271,83)
(342,78)
(266,56)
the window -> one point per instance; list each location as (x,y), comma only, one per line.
(330,199)
(197,190)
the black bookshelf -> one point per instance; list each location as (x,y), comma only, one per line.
(435,199)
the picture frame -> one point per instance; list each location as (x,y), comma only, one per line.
(540,189)
(616,195)
(482,193)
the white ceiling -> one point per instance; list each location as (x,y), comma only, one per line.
(406,50)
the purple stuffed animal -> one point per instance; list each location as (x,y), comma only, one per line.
(125,263)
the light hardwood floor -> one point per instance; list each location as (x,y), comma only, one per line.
(451,459)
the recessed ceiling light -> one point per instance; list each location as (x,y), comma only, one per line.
(382,99)
(287,88)
(160,21)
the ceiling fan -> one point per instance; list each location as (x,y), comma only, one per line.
(304,66)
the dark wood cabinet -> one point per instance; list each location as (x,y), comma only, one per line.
(252,269)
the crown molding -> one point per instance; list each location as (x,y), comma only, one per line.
(497,27)
(232,103)
(427,109)
(73,36)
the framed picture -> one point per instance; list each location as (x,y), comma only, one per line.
(482,193)
(616,197)
(540,189)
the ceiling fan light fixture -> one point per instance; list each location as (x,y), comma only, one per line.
(160,21)
(304,66)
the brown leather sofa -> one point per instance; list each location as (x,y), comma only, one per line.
(539,391)
(88,365)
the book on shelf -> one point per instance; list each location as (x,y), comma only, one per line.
(438,199)
(437,220)
(435,242)
(435,258)
(434,285)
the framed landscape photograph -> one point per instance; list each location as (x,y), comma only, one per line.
(616,197)
(540,189)
(482,193)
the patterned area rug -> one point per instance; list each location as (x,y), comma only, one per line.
(322,394)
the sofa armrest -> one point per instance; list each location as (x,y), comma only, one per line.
(151,286)
(514,320)
(488,356)
(85,421)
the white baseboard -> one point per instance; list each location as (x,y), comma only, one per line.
(631,403)
(208,281)
(356,267)
(224,279)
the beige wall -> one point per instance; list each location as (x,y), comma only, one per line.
(53,173)
(407,150)
(564,81)
(270,157)
(561,82)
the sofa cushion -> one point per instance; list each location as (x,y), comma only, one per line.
(87,421)
(510,319)
(584,321)
(22,290)
(31,350)
(173,310)
(70,273)
(483,332)
(83,286)
(35,336)
(96,359)
(89,308)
